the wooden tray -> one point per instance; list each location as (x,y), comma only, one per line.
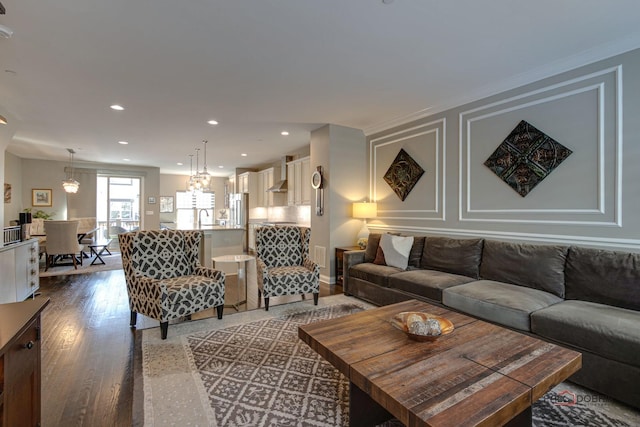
(400,322)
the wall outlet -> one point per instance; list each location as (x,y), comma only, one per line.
(149,212)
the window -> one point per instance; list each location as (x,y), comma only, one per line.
(188,205)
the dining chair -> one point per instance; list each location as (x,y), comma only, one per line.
(62,241)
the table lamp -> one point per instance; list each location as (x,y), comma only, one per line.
(364,210)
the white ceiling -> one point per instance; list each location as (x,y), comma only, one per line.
(263,66)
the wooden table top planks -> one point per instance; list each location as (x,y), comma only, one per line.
(480,374)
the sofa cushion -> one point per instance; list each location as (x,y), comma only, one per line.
(498,302)
(602,329)
(604,277)
(535,266)
(372,247)
(416,251)
(457,256)
(426,283)
(378,274)
(396,250)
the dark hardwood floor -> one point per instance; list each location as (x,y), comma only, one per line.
(88,347)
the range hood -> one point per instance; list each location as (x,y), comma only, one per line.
(281,185)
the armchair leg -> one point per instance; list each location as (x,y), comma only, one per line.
(164,327)
(266,304)
(134,319)
(220,310)
(315,298)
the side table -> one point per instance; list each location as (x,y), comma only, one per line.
(339,258)
(243,264)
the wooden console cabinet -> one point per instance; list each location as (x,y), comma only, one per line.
(20,360)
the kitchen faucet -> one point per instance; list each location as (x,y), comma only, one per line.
(200,216)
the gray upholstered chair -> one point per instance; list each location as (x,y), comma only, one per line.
(164,277)
(283,264)
(62,241)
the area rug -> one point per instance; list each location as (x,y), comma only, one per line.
(250,369)
(111,262)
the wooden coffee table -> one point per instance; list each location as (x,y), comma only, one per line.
(480,374)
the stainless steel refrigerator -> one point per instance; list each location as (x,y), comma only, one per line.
(238,204)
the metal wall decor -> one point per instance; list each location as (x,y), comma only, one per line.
(403,174)
(526,157)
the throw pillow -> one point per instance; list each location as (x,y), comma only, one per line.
(396,250)
(379,259)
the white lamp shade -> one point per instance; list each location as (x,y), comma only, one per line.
(70,185)
(365,210)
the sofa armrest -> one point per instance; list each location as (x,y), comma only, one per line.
(349,259)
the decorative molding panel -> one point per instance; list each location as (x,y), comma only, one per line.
(586,112)
(426,206)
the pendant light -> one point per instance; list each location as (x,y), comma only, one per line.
(205,177)
(70,185)
(191,182)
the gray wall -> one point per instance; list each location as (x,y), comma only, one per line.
(48,174)
(592,198)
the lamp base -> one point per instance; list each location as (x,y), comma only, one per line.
(362,242)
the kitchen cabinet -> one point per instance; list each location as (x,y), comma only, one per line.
(267,178)
(299,182)
(248,183)
(20,362)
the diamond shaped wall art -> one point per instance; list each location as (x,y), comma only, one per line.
(403,174)
(526,157)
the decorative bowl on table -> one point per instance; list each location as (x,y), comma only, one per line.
(421,326)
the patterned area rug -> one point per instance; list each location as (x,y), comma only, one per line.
(250,369)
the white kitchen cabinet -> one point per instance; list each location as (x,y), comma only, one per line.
(267,178)
(8,279)
(299,182)
(248,183)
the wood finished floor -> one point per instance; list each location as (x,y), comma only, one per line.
(87,348)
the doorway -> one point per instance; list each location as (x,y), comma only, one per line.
(118,206)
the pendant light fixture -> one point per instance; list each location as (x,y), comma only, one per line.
(205,177)
(70,185)
(190,182)
(200,180)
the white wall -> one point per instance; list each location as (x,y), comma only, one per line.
(592,198)
(13,177)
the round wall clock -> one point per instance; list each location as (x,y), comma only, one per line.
(316,179)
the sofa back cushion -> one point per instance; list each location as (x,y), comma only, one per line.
(416,251)
(372,247)
(457,256)
(605,277)
(534,266)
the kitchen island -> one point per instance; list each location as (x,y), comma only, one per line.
(218,240)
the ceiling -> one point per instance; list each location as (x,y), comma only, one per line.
(259,67)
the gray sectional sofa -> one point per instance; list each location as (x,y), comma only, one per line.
(582,298)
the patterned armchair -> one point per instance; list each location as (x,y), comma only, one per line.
(164,277)
(284,267)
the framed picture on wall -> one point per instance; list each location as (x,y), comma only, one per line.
(166,204)
(41,197)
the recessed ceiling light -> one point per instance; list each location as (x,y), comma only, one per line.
(179,163)
(221,167)
(244,154)
(123,142)
(213,122)
(117,107)
(127,160)
(284,133)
